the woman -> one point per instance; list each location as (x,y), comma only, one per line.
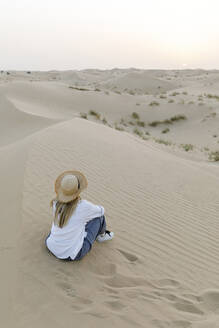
(77,222)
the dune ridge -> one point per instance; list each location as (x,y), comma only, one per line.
(157,244)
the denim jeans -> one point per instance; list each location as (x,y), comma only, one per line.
(93,228)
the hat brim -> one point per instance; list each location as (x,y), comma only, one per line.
(67,198)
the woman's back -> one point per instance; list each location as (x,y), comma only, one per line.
(68,240)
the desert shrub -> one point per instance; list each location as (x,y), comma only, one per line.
(104,121)
(174,94)
(135,115)
(80,89)
(163,97)
(97,89)
(178,117)
(145,138)
(166,130)
(131,123)
(168,121)
(120,128)
(164,142)
(138,132)
(191,102)
(210,96)
(131,92)
(154,103)
(137,104)
(185,93)
(93,113)
(106,92)
(83,115)
(147,133)
(171,101)
(187,147)
(154,123)
(118,92)
(141,123)
(214,156)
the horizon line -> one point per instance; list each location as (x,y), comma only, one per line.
(109,69)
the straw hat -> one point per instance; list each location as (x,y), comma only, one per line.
(69,185)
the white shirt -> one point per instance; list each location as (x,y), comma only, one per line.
(67,241)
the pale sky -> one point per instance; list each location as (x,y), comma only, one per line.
(74,34)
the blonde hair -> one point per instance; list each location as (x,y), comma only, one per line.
(64,211)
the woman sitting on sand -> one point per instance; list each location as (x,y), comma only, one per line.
(77,222)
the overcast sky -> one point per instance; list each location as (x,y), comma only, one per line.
(69,34)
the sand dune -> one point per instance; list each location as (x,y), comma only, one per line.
(164,259)
(12,159)
(15,124)
(141,83)
(161,270)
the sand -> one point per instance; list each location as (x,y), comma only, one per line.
(160,198)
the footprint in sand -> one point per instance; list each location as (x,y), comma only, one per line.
(84,301)
(174,298)
(108,269)
(192,297)
(81,304)
(167,283)
(114,305)
(122,281)
(64,285)
(148,296)
(171,324)
(181,304)
(207,302)
(188,307)
(67,289)
(210,300)
(129,256)
(169,297)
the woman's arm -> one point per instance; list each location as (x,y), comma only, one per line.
(91,211)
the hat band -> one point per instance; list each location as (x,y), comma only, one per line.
(79,185)
(69,192)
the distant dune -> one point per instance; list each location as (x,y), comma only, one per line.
(140,83)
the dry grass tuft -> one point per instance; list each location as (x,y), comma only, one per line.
(214,156)
(154,103)
(164,142)
(187,147)
(135,116)
(83,115)
(93,113)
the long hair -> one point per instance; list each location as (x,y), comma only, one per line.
(64,211)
